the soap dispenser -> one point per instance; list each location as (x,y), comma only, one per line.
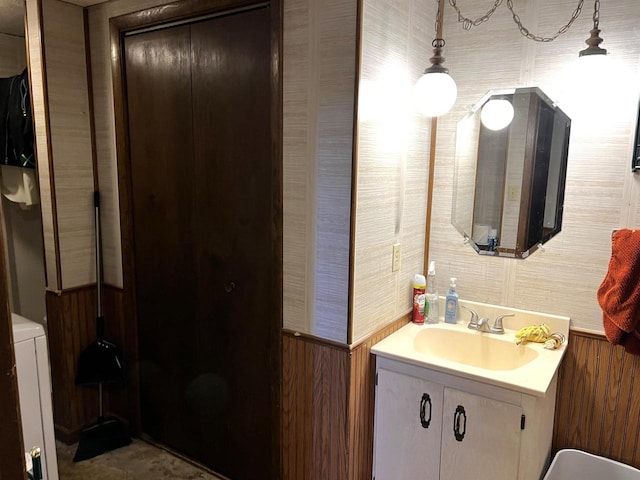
(451,303)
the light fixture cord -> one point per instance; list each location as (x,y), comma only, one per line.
(524,31)
(594,40)
(466,22)
(438,41)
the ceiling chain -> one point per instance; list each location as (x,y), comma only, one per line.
(524,31)
(467,22)
(438,42)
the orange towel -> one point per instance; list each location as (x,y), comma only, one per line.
(619,293)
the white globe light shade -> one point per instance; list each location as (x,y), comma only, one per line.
(435,94)
(497,114)
(593,68)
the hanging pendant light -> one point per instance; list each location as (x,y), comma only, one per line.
(594,53)
(436,91)
(497,113)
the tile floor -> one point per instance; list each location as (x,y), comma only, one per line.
(138,461)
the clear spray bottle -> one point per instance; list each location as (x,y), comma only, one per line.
(432,300)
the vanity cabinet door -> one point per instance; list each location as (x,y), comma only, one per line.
(408,427)
(480,438)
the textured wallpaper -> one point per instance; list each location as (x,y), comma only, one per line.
(601,192)
(393,160)
(319,52)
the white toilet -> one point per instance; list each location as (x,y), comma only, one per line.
(34,389)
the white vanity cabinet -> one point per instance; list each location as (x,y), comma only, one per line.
(481,438)
(431,425)
(408,427)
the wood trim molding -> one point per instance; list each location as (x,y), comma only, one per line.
(316,340)
(49,159)
(582,332)
(125,203)
(432,173)
(277,226)
(432,160)
(33,123)
(354,171)
(38,84)
(404,318)
(178,11)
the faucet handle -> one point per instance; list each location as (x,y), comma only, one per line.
(473,321)
(497,325)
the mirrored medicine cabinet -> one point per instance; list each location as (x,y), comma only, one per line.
(510,170)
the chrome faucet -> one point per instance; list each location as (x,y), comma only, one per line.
(473,321)
(482,324)
(497,325)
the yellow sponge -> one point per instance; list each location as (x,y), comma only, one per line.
(534,333)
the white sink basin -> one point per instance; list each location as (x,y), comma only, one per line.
(487,351)
(486,357)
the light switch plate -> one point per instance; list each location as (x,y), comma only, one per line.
(396,258)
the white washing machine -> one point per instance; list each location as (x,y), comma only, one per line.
(34,389)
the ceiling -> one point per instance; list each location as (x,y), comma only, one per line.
(12,14)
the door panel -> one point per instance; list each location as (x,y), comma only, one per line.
(489,432)
(405,448)
(202,195)
(159,105)
(232,136)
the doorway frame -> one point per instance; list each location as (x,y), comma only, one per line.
(183,11)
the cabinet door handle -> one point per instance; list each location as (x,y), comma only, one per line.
(423,404)
(459,417)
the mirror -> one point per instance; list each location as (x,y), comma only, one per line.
(510,170)
(635,159)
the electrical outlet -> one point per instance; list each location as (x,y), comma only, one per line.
(514,193)
(396,258)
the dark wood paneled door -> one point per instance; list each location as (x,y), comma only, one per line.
(199,109)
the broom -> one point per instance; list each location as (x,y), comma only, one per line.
(99,364)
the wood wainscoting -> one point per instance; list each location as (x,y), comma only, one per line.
(71,319)
(328,406)
(328,391)
(598,399)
